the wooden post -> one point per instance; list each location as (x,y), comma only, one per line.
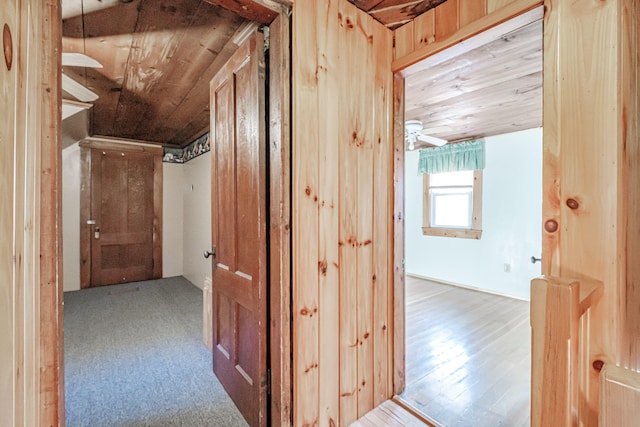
(554,351)
(559,331)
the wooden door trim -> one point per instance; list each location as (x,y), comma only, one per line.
(513,16)
(398,236)
(51,410)
(280,219)
(404,67)
(85,202)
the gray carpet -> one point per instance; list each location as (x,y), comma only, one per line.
(134,356)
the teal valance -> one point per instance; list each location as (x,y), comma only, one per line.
(461,156)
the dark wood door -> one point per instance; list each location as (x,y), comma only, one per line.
(239,229)
(122,207)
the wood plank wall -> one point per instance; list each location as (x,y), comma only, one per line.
(590,159)
(341,213)
(8,94)
(438,24)
(28,354)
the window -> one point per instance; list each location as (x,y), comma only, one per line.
(452,204)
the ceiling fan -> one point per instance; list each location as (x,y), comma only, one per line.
(414,133)
(72,87)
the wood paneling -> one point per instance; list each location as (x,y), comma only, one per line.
(586,172)
(8,95)
(29,355)
(306,77)
(449,16)
(341,213)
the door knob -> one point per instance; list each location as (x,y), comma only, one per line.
(534,259)
(212,253)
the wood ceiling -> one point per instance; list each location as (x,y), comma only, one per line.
(491,90)
(158,59)
(159,56)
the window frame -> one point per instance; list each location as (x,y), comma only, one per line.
(475,232)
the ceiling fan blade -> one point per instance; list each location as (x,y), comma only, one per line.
(71,59)
(432,140)
(71,108)
(77,90)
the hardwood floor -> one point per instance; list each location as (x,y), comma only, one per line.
(468,356)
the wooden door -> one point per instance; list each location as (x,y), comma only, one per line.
(239,229)
(122,206)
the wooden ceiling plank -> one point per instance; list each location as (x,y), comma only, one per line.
(485,83)
(155,41)
(500,94)
(248,9)
(479,69)
(199,93)
(520,108)
(197,127)
(366,5)
(494,87)
(394,13)
(201,43)
(108,39)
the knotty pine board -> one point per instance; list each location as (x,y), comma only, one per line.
(338,120)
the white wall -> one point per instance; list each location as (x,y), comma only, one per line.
(197,218)
(71,217)
(511,222)
(172,241)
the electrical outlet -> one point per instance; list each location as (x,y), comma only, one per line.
(507,267)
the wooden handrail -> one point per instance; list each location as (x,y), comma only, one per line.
(557,305)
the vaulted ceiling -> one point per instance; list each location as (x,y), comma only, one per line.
(158,57)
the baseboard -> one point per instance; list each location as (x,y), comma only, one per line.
(471,288)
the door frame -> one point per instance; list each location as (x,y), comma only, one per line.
(515,12)
(279,233)
(51,325)
(85,200)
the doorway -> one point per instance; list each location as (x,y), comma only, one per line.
(490,93)
(278,144)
